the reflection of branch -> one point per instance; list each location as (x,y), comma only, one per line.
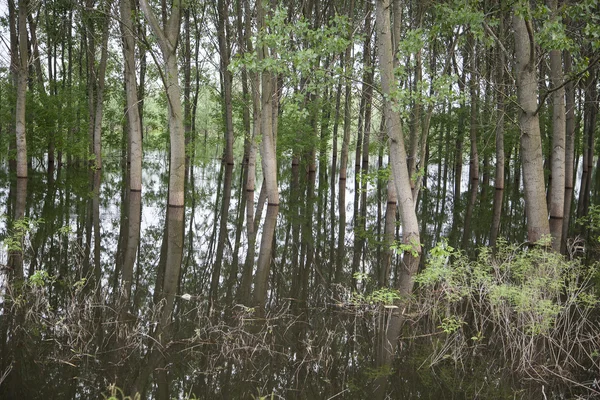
(574,77)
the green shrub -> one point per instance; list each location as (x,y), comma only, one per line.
(532,309)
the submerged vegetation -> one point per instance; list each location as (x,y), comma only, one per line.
(524,310)
(540,306)
(316,199)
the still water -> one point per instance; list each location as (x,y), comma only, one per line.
(104,313)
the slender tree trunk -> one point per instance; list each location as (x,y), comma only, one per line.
(100,78)
(168,38)
(569,151)
(226,77)
(531,144)
(474,159)
(499,131)
(21,70)
(347,112)
(410,226)
(223,234)
(268,118)
(133,114)
(557,185)
(188,124)
(589,123)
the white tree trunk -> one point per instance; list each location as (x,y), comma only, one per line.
(133,114)
(410,225)
(557,186)
(531,143)
(21,69)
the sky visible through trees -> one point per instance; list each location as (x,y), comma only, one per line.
(420,165)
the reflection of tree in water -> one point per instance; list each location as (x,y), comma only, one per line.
(156,330)
(281,352)
(84,342)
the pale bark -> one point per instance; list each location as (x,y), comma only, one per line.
(347,104)
(557,183)
(188,99)
(268,126)
(399,170)
(133,114)
(100,76)
(168,37)
(267,144)
(557,188)
(226,77)
(569,151)
(341,240)
(474,158)
(22,76)
(531,144)
(244,292)
(499,131)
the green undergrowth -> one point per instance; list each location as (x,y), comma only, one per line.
(528,309)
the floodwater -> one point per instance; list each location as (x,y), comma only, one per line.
(105,310)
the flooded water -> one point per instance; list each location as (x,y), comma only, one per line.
(105,310)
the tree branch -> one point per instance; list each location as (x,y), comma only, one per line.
(574,77)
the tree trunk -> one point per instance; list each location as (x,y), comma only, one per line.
(499,177)
(474,159)
(268,118)
(100,79)
(399,170)
(557,185)
(21,70)
(569,152)
(226,78)
(133,114)
(347,104)
(589,123)
(168,39)
(531,143)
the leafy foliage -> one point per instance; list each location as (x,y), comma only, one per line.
(532,300)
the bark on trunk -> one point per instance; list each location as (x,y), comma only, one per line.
(569,152)
(410,226)
(133,114)
(474,159)
(531,143)
(500,159)
(22,76)
(557,185)
(557,188)
(100,77)
(226,78)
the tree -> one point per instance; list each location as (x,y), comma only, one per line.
(226,76)
(267,116)
(399,170)
(134,127)
(499,133)
(134,140)
(168,38)
(20,67)
(557,184)
(531,142)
